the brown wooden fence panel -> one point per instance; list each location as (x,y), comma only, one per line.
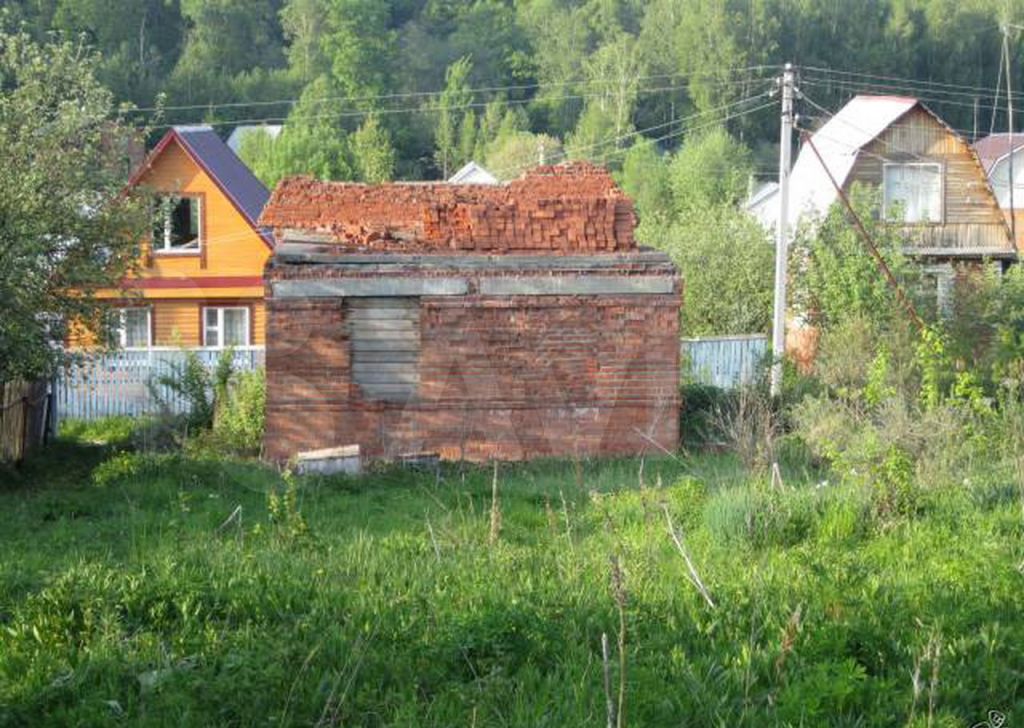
(23,418)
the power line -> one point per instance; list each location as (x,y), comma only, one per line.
(885,89)
(963,88)
(698,127)
(566,152)
(423,94)
(412,109)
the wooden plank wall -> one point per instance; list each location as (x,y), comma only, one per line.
(724,361)
(385,336)
(23,407)
(972,218)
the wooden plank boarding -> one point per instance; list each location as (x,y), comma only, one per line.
(724,361)
(385,340)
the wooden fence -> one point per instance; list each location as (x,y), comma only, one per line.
(724,361)
(24,408)
(123,382)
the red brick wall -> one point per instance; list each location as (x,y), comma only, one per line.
(574,207)
(513,378)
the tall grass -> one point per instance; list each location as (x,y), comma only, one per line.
(173,590)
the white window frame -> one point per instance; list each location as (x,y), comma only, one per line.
(219,328)
(122,327)
(164,247)
(940,167)
(945,287)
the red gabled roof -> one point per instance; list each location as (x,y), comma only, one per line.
(228,172)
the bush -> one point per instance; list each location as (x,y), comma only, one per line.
(748,423)
(696,416)
(106,430)
(200,388)
(239,423)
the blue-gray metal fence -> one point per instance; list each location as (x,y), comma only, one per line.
(121,382)
(724,361)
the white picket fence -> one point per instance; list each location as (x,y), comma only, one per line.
(119,383)
(724,361)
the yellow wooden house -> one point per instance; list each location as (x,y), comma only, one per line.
(200,280)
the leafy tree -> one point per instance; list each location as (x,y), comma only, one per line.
(312,141)
(456,125)
(689,209)
(710,168)
(837,277)
(304,23)
(138,41)
(66,227)
(372,153)
(360,45)
(613,73)
(514,152)
(727,261)
(225,38)
(645,178)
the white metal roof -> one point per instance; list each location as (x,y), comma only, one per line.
(240,132)
(473,174)
(839,142)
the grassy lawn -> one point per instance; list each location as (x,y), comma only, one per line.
(128,596)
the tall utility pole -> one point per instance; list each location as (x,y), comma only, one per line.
(782,230)
(1009,124)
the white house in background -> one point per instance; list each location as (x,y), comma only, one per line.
(763,204)
(240,132)
(994,151)
(473,174)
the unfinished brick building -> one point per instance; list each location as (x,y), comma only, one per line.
(470,321)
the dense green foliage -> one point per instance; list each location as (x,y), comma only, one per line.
(688,206)
(66,228)
(129,594)
(586,72)
(411,89)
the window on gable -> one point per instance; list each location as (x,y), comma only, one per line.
(177,224)
(913,192)
(226,326)
(132,326)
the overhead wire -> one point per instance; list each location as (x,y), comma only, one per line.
(888,89)
(920,83)
(698,127)
(426,94)
(409,110)
(564,153)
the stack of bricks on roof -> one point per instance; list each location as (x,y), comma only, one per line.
(475,322)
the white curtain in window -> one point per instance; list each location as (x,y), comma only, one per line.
(135,327)
(236,327)
(211,333)
(914,189)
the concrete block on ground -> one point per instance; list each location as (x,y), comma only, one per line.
(329,461)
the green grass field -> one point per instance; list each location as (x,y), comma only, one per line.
(128,596)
